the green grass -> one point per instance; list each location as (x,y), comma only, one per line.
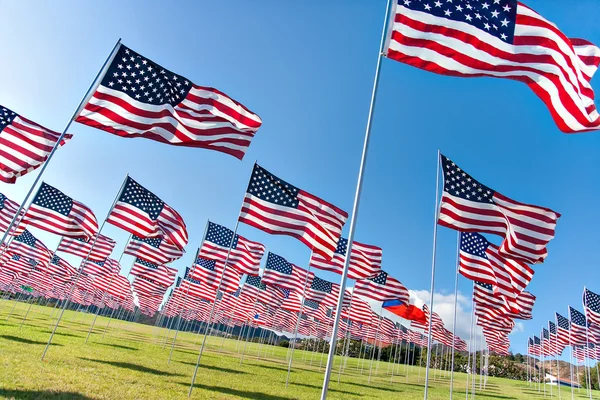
(130,362)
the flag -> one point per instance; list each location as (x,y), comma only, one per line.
(138,98)
(524,302)
(279,208)
(156,250)
(578,327)
(563,326)
(27,245)
(244,256)
(103,246)
(359,311)
(365,260)
(107,267)
(141,213)
(481,261)
(58,266)
(469,206)
(17,263)
(505,39)
(381,288)
(24,145)
(323,292)
(158,273)
(591,304)
(280,272)
(8,210)
(55,212)
(211,272)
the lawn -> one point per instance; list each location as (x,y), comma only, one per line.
(131,362)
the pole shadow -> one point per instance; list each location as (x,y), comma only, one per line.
(132,367)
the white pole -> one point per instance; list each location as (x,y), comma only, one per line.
(354,218)
(455,309)
(293,342)
(471,347)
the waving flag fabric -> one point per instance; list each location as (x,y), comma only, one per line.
(142,213)
(578,327)
(563,327)
(502,39)
(381,288)
(17,263)
(102,248)
(24,145)
(157,250)
(138,98)
(55,212)
(244,256)
(210,272)
(469,206)
(591,304)
(8,209)
(280,272)
(365,260)
(58,266)
(323,291)
(158,273)
(107,267)
(27,245)
(280,208)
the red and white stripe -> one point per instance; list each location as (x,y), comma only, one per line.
(245,257)
(229,277)
(365,261)
(7,212)
(103,247)
(24,146)
(165,253)
(556,68)
(162,275)
(393,289)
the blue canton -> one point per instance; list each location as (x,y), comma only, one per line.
(577,318)
(268,187)
(536,340)
(591,301)
(380,279)
(140,197)
(311,304)
(220,235)
(279,264)
(460,184)
(563,322)
(16,257)
(545,333)
(486,286)
(474,244)
(143,80)
(496,17)
(206,264)
(27,238)
(154,242)
(3,198)
(255,281)
(321,285)
(6,117)
(552,327)
(342,246)
(53,199)
(146,264)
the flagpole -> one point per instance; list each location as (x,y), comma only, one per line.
(354,218)
(287,379)
(79,272)
(557,365)
(587,343)
(571,357)
(471,347)
(60,138)
(455,307)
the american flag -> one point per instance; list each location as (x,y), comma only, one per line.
(17,263)
(535,346)
(24,145)
(8,210)
(211,272)
(113,284)
(102,247)
(280,272)
(554,337)
(157,250)
(578,327)
(481,261)
(503,39)
(549,347)
(469,206)
(54,211)
(58,266)
(315,310)
(359,311)
(563,326)
(579,353)
(323,291)
(138,98)
(244,256)
(158,273)
(141,213)
(381,288)
(280,208)
(106,267)
(524,302)
(146,287)
(292,301)
(27,245)
(365,260)
(591,305)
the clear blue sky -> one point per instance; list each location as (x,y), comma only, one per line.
(307,69)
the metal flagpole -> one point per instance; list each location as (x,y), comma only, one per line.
(60,138)
(587,346)
(571,358)
(363,162)
(79,272)
(471,347)
(293,342)
(375,344)
(437,188)
(557,365)
(455,309)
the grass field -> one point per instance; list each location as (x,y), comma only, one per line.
(130,362)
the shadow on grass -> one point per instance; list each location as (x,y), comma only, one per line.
(211,367)
(68,335)
(41,394)
(133,367)
(330,389)
(493,396)
(117,346)
(369,386)
(26,341)
(265,366)
(234,392)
